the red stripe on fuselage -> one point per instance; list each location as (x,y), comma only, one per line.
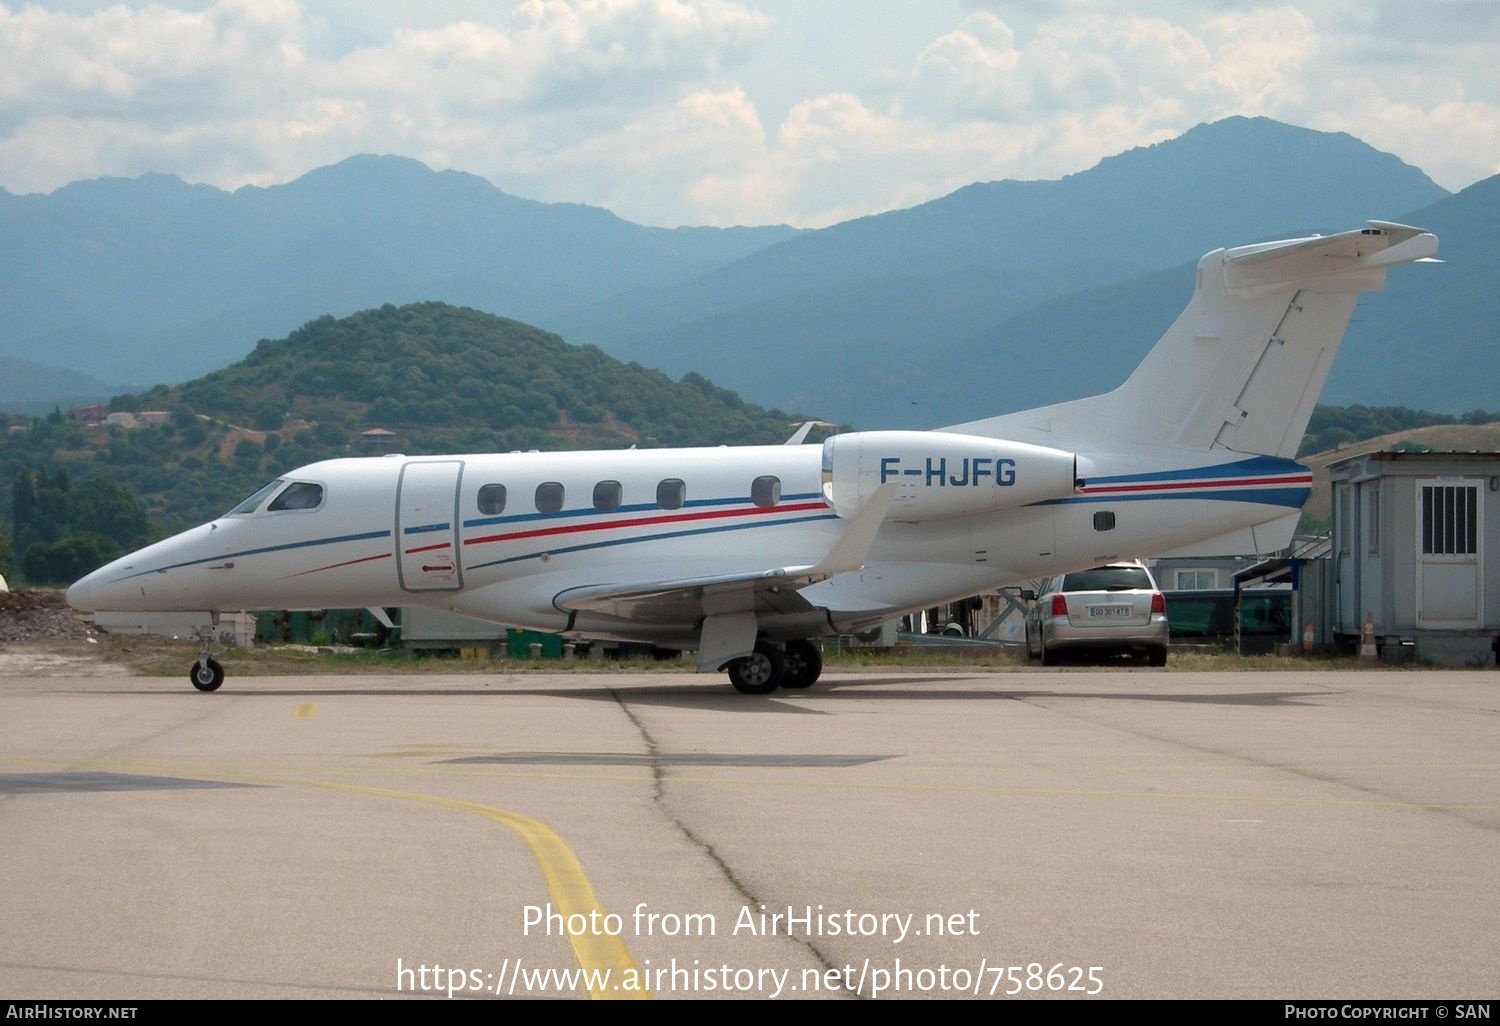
(545,532)
(347,562)
(428,548)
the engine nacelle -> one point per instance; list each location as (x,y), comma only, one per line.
(940,474)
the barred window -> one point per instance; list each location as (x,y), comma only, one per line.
(1449,520)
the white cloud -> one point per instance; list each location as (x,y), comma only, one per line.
(684,111)
(75,89)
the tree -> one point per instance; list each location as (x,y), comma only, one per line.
(65,561)
(60,533)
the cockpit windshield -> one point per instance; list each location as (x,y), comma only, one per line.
(298,495)
(251,504)
(293,495)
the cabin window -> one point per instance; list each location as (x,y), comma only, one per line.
(1104,520)
(607,496)
(766,491)
(492,499)
(671,493)
(298,495)
(251,504)
(549,497)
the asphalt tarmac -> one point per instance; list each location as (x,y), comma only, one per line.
(1072,834)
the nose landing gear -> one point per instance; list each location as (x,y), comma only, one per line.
(206,673)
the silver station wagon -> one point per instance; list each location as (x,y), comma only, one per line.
(1112,609)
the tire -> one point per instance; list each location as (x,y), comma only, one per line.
(758,673)
(1159,657)
(1046,658)
(206,674)
(801,664)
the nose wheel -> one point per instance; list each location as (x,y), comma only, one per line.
(206,673)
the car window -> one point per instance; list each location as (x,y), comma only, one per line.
(1108,578)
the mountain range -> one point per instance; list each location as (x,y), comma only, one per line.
(998,296)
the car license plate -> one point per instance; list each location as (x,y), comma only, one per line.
(1114,611)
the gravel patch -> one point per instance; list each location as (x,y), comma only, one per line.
(36,614)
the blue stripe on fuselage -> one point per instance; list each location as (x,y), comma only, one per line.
(1291,497)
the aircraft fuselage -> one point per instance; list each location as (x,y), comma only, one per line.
(499,537)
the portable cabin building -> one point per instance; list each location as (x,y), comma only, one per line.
(1416,542)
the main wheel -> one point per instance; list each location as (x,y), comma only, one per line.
(206,674)
(801,665)
(758,673)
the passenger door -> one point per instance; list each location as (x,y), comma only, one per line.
(427,542)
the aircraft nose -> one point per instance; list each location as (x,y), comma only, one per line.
(85,593)
(104,590)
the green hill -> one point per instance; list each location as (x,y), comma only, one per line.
(427,378)
(440,375)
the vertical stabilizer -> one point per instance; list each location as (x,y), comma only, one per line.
(1242,367)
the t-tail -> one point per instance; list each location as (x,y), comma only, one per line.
(1241,369)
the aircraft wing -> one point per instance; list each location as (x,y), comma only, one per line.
(689,599)
(727,604)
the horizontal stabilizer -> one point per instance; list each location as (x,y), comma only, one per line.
(1381,245)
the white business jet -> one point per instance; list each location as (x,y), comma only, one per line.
(745,554)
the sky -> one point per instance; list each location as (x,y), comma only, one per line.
(724,112)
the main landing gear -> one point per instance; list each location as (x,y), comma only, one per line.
(796,665)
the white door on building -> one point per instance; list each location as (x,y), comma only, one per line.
(1450,578)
